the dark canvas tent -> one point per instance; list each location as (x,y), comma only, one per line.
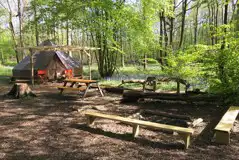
(53,62)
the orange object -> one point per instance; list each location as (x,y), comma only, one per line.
(42,75)
(68,73)
(41,72)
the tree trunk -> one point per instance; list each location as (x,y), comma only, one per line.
(221,64)
(20,17)
(216,21)
(165,38)
(122,48)
(184,10)
(2,57)
(225,22)
(36,23)
(161,39)
(196,25)
(237,18)
(145,60)
(171,25)
(12,32)
(20,90)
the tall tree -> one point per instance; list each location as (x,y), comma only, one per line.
(196,23)
(184,10)
(11,28)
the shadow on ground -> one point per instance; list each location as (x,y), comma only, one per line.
(128,137)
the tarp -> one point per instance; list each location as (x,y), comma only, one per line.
(55,62)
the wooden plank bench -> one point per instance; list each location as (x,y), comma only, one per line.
(185,133)
(223,128)
(62,88)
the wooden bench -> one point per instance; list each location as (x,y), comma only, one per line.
(223,128)
(185,133)
(62,88)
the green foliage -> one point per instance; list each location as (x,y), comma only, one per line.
(133,70)
(183,64)
(149,61)
(6,49)
(217,67)
(5,71)
(10,63)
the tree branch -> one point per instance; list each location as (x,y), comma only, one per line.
(3,5)
(191,7)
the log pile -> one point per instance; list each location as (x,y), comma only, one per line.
(20,90)
(133,81)
(134,96)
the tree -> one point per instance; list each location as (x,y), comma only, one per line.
(11,28)
(184,10)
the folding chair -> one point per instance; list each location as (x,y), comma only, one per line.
(68,73)
(42,74)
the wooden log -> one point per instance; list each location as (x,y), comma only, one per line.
(117,90)
(134,96)
(197,122)
(165,114)
(131,95)
(20,90)
(133,81)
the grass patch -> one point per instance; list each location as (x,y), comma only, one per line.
(137,72)
(5,71)
(125,71)
(170,86)
(150,70)
(110,83)
(10,63)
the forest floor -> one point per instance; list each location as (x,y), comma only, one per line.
(52,126)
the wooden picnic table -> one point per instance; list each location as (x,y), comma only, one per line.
(79,83)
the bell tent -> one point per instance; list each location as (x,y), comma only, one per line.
(52,63)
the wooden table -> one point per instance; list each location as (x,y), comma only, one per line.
(82,82)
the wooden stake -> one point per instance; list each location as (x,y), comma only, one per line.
(186,139)
(89,65)
(90,120)
(89,59)
(135,130)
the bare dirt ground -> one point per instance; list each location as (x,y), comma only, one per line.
(49,127)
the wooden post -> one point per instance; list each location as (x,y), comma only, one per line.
(135,130)
(154,85)
(90,120)
(222,137)
(32,66)
(178,87)
(89,64)
(186,139)
(89,59)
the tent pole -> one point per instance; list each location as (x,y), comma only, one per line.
(89,59)
(32,66)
